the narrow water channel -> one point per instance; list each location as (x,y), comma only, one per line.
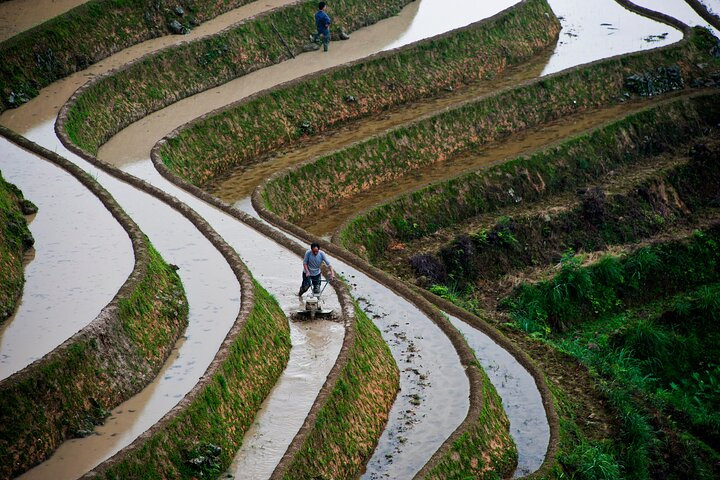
(521,398)
(81,258)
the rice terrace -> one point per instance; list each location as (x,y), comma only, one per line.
(399,239)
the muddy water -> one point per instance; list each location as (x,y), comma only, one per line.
(600,29)
(520,396)
(442,405)
(519,143)
(315,347)
(214,297)
(19,15)
(134,142)
(400,451)
(35,117)
(434,17)
(682,11)
(432,401)
(316,344)
(82,257)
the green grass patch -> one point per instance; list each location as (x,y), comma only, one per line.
(646,325)
(660,201)
(202,439)
(570,165)
(85,35)
(15,239)
(486,449)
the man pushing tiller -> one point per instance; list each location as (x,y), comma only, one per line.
(312,262)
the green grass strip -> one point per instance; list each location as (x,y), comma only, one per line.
(359,167)
(320,102)
(579,293)
(593,222)
(562,168)
(15,239)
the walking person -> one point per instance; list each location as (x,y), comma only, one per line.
(312,262)
(322,22)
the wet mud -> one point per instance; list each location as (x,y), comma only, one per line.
(316,345)
(213,295)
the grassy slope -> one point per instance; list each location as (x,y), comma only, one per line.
(15,239)
(74,389)
(668,193)
(646,324)
(562,168)
(347,428)
(380,159)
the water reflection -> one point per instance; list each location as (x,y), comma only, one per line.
(82,257)
(602,29)
(436,17)
(682,11)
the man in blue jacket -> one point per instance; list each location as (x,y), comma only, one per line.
(312,262)
(322,22)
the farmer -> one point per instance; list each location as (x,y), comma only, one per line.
(314,258)
(322,22)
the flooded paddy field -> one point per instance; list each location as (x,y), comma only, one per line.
(434,390)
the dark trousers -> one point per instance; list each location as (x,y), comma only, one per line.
(325,38)
(307,280)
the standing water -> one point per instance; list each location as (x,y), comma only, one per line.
(82,257)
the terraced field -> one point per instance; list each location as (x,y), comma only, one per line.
(528,259)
